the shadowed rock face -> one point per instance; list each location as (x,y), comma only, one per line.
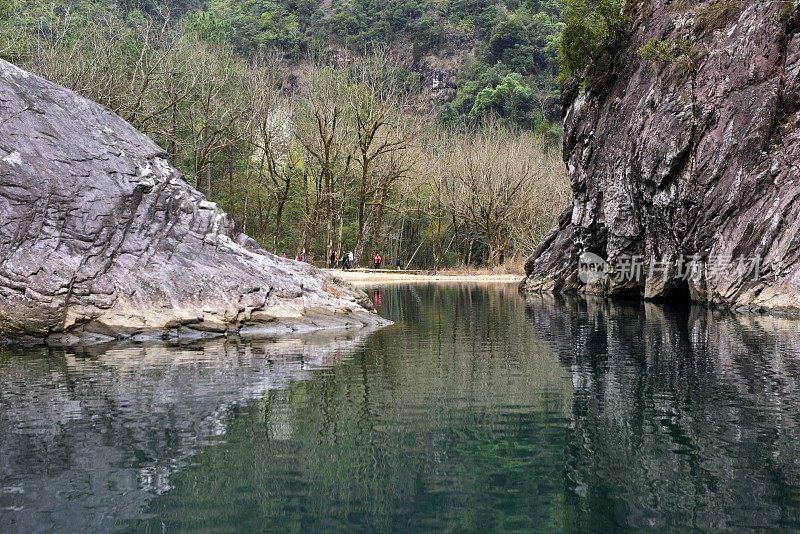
(101,238)
(675,159)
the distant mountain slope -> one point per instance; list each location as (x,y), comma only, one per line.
(470,58)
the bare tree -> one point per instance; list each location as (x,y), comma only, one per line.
(90,63)
(325,131)
(271,132)
(346,142)
(212,122)
(383,134)
(499,182)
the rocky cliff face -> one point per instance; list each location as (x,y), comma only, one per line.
(101,238)
(687,167)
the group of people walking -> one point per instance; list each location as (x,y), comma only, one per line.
(346,260)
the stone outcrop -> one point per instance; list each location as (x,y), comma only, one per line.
(100,238)
(691,157)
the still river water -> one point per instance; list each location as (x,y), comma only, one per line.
(476,411)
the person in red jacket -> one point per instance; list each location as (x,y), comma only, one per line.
(376,261)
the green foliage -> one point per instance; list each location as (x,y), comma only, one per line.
(666,50)
(510,99)
(519,101)
(209,27)
(360,23)
(473,79)
(716,15)
(594,33)
(525,43)
(429,34)
(514,75)
(262,24)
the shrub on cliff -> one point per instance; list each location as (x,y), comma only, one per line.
(674,51)
(594,32)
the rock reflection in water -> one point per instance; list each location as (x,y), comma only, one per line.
(83,434)
(681,417)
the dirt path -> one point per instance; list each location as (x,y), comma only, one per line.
(387,276)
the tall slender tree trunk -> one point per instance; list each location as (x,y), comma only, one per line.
(437,245)
(173,143)
(399,248)
(455,235)
(244,211)
(260,208)
(359,249)
(284,196)
(361,214)
(341,231)
(230,174)
(377,240)
(310,238)
(208,180)
(330,215)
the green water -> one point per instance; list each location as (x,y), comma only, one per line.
(477,411)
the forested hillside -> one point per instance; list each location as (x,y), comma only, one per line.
(423,130)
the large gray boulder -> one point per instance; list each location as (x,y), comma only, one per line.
(693,158)
(100,238)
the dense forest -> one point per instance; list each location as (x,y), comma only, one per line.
(427,131)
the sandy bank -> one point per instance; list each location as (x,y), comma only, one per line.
(387,276)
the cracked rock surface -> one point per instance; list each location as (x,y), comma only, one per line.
(100,238)
(672,159)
